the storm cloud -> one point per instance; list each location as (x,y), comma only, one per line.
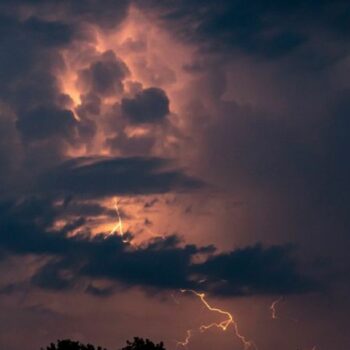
(264,29)
(94,177)
(105,75)
(159,264)
(148,106)
(154,146)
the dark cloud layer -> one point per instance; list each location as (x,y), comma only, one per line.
(98,177)
(267,29)
(107,16)
(158,264)
(255,268)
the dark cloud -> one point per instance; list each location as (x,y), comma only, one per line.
(49,33)
(256,269)
(25,227)
(164,265)
(30,55)
(333,185)
(46,122)
(148,106)
(267,29)
(55,275)
(161,263)
(8,148)
(77,208)
(98,177)
(104,77)
(108,16)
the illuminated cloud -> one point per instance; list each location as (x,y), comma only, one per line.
(104,77)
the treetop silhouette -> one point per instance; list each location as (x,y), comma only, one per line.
(136,344)
(141,344)
(68,344)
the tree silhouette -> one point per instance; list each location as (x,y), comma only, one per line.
(141,344)
(71,345)
(136,344)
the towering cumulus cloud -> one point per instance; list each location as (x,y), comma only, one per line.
(104,76)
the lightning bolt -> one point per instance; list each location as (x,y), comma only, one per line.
(187,339)
(223,325)
(274,311)
(119,225)
(273,308)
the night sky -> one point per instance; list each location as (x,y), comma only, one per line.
(155,150)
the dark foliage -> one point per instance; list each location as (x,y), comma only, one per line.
(141,344)
(71,345)
(136,344)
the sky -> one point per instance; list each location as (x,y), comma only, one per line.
(177,170)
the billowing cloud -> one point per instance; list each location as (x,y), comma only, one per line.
(104,76)
(150,105)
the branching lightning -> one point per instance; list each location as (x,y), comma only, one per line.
(223,325)
(273,308)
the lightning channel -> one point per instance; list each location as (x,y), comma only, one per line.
(273,308)
(185,342)
(119,225)
(223,325)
